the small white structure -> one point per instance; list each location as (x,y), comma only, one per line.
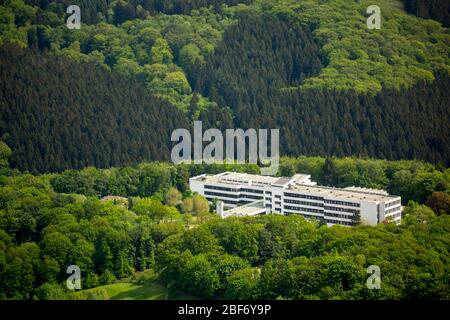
(248,194)
(251,209)
(219,208)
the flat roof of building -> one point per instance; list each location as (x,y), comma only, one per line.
(282,181)
(301,184)
(238,178)
(343,193)
(367,190)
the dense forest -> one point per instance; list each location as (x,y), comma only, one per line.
(412,180)
(95,117)
(257,75)
(95,11)
(50,222)
(430,9)
(311,69)
(86,118)
(66,114)
(404,51)
(276,257)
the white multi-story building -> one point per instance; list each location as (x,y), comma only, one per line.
(248,194)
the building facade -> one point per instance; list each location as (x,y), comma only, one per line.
(241,192)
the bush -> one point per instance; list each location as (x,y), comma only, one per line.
(106,278)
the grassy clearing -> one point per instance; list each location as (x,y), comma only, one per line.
(141,286)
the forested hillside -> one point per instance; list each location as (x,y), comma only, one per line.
(412,180)
(95,11)
(310,68)
(50,222)
(86,118)
(321,122)
(257,56)
(61,114)
(257,76)
(430,9)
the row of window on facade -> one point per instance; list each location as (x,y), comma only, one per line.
(233,190)
(286,194)
(233,196)
(303,209)
(394,203)
(303,196)
(393,209)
